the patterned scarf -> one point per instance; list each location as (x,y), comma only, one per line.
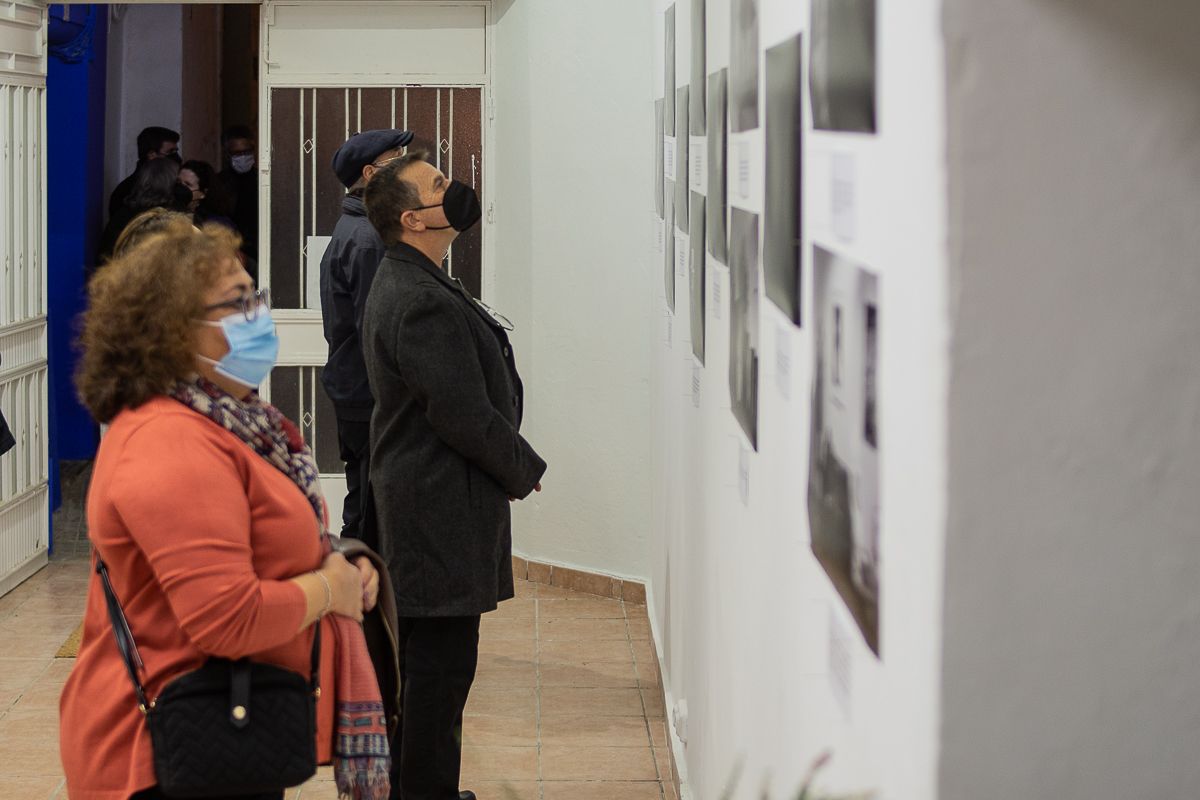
(360,749)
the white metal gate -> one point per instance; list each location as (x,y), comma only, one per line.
(24,387)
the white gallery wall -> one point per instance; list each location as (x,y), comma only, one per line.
(765,668)
(572,163)
(1071,654)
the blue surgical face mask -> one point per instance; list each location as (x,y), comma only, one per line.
(253,347)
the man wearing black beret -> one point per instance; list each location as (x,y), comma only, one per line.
(347,270)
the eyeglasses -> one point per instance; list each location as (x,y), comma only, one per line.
(247,304)
(386,161)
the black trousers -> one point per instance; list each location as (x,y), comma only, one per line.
(155,794)
(438,660)
(354,442)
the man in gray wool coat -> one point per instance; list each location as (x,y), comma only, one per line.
(446,460)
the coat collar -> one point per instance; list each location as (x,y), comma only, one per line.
(354,206)
(411,255)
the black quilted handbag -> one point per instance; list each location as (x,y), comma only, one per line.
(229,727)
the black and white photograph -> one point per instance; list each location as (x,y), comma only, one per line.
(842,65)
(743,66)
(697,112)
(669,72)
(697,274)
(784,126)
(743,320)
(681,163)
(659,175)
(718,235)
(669,245)
(843,476)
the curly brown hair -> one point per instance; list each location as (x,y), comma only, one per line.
(137,330)
(153,221)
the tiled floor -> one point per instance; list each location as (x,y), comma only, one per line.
(567,704)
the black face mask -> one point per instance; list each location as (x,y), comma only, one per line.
(178,159)
(461,205)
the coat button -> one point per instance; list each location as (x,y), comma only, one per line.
(507,351)
(516,401)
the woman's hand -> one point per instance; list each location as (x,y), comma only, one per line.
(370,582)
(346,585)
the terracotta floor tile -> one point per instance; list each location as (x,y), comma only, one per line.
(506,676)
(568,700)
(547,591)
(658,733)
(567,629)
(44,692)
(504,790)
(585,730)
(639,628)
(35,635)
(662,757)
(518,608)
(501,702)
(648,675)
(507,650)
(655,703)
(598,675)
(525,589)
(319,790)
(20,673)
(669,792)
(597,763)
(499,764)
(491,731)
(494,627)
(38,788)
(583,652)
(590,608)
(602,790)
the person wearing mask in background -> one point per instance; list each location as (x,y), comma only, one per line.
(152,143)
(210,202)
(156,185)
(241,182)
(446,460)
(206,508)
(347,270)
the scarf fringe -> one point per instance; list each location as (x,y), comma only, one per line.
(363,778)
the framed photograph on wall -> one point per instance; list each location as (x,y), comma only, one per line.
(669,71)
(743,320)
(717,234)
(697,112)
(743,66)
(681,163)
(659,175)
(697,274)
(842,65)
(784,126)
(669,245)
(843,471)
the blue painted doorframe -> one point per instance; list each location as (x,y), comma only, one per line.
(75,106)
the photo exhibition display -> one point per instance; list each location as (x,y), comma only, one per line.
(843,479)
(697,273)
(718,238)
(784,126)
(842,65)
(681,161)
(743,321)
(743,66)
(697,112)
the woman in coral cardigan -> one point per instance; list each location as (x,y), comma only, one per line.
(206,508)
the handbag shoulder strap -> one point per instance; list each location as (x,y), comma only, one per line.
(124,636)
(133,659)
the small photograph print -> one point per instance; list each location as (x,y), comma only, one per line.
(781,212)
(697,275)
(743,321)
(659,175)
(681,164)
(743,66)
(669,246)
(718,236)
(696,114)
(669,72)
(842,65)
(843,477)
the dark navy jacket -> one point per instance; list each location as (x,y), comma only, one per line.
(347,270)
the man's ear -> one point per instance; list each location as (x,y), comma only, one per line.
(411,221)
(368,172)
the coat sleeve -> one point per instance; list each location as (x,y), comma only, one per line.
(183,502)
(436,356)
